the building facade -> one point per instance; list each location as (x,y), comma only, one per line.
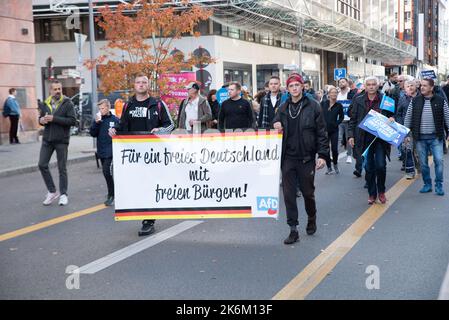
(443,41)
(17,65)
(244,50)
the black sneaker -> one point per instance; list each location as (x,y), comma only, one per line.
(357,174)
(292,237)
(311,227)
(147,229)
(109,201)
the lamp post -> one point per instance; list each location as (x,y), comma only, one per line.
(92,56)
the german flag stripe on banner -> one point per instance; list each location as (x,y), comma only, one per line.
(202,137)
(183,213)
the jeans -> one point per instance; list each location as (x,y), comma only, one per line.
(436,146)
(376,169)
(343,130)
(46,152)
(294,171)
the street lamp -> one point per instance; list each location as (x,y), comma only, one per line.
(92,56)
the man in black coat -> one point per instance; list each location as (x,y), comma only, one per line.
(304,136)
(376,165)
(144,113)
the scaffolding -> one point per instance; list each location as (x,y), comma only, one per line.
(301,22)
(312,23)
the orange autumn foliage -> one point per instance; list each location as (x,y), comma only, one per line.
(140,38)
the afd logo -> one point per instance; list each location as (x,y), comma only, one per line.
(269,204)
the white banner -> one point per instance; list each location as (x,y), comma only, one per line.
(216,175)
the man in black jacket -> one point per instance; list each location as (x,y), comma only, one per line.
(270,103)
(143,113)
(376,165)
(428,118)
(304,136)
(100,130)
(57,115)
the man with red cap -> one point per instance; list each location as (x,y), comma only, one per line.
(304,136)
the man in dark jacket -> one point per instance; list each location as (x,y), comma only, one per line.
(428,118)
(57,115)
(304,136)
(270,103)
(143,113)
(100,130)
(376,165)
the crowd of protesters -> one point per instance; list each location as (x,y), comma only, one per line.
(316,125)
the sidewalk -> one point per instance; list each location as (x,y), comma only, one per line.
(22,158)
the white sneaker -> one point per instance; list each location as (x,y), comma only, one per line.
(63,200)
(349,159)
(50,198)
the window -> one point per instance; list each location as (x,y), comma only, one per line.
(408,16)
(52,30)
(350,8)
(202,27)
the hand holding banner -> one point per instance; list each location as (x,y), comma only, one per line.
(381,127)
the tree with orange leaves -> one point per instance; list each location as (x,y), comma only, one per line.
(143,32)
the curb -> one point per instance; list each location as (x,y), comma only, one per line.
(33,168)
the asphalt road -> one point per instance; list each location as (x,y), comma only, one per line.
(223,258)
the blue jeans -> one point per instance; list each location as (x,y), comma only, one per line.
(436,147)
(376,169)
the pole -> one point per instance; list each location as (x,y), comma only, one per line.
(300,33)
(80,61)
(364,44)
(93,73)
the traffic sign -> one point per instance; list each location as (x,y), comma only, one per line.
(339,73)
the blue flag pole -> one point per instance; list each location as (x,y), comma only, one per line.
(365,153)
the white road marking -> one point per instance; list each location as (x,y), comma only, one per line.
(137,247)
(444,291)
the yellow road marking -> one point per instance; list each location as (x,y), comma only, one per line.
(48,223)
(316,271)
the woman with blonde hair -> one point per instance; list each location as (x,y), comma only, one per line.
(333,114)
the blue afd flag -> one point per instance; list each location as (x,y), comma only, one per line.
(379,126)
(222,95)
(345,104)
(388,104)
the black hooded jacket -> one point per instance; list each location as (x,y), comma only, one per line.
(313,135)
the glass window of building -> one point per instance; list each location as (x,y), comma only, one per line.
(350,8)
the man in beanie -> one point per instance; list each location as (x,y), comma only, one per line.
(304,136)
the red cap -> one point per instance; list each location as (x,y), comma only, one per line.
(295,77)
